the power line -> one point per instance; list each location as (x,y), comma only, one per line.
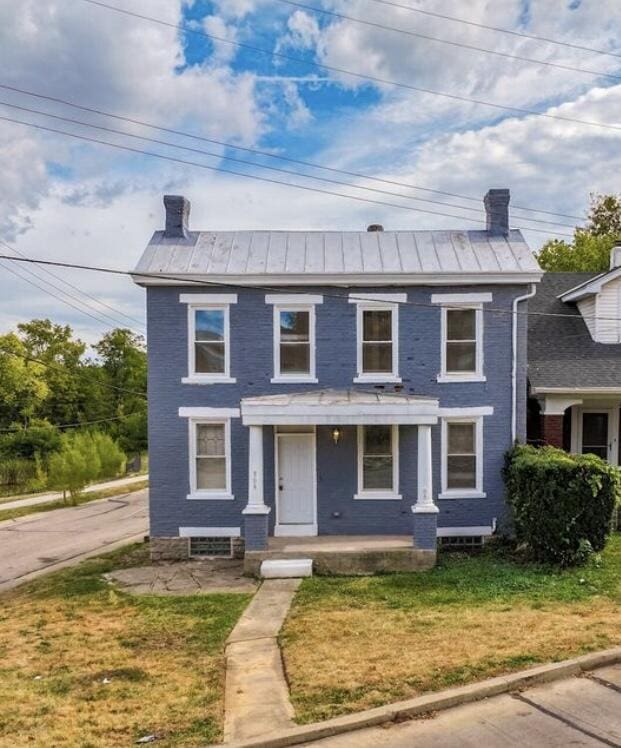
(270,168)
(80,291)
(359,296)
(462,45)
(256,177)
(77,424)
(267,154)
(360,76)
(511,32)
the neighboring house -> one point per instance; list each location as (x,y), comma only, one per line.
(332,382)
(574,361)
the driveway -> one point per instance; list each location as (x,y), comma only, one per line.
(34,544)
(584,711)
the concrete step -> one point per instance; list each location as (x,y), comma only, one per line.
(287,568)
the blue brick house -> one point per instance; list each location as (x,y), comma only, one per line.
(333,383)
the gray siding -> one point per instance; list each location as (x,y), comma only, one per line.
(252,365)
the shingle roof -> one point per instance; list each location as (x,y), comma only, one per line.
(256,256)
(561,352)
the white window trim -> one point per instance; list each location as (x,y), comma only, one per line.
(470,376)
(197,494)
(382,494)
(198,302)
(293,298)
(461,298)
(279,377)
(375,376)
(463,493)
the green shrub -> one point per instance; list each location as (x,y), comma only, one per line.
(562,504)
(111,457)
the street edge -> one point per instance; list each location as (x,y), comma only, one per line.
(434,702)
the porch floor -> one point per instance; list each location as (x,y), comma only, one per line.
(345,554)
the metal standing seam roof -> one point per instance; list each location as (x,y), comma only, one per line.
(250,255)
(351,397)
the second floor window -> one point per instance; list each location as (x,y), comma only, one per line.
(462,343)
(210,341)
(378,344)
(294,345)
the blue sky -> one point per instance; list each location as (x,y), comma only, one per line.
(69,200)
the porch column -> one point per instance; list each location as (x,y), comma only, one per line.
(425,512)
(256,512)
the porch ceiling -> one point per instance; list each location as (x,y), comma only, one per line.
(339,407)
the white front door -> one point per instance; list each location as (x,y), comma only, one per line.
(295,485)
(597,433)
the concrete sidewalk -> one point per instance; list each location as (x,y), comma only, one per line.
(47,498)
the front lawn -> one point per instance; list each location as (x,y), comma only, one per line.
(354,643)
(82,664)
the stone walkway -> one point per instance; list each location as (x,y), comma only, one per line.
(256,699)
(184,578)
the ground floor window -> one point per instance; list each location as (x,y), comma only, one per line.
(462,459)
(378,459)
(210,459)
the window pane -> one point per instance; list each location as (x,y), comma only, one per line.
(461,472)
(209,358)
(377,357)
(210,439)
(461,324)
(211,473)
(461,357)
(294,326)
(461,438)
(377,440)
(209,324)
(595,429)
(377,473)
(377,325)
(295,358)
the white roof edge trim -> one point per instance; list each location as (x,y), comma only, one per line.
(590,287)
(208,298)
(293,298)
(576,390)
(369,419)
(460,298)
(309,279)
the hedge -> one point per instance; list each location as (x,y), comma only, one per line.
(562,504)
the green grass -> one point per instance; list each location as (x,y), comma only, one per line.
(83,498)
(83,664)
(357,642)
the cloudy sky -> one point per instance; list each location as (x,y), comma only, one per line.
(67,199)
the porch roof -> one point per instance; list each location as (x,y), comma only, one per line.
(339,407)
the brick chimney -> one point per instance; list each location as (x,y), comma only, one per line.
(177,216)
(497,210)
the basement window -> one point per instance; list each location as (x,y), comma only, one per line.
(461,543)
(211,547)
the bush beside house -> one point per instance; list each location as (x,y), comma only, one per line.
(562,504)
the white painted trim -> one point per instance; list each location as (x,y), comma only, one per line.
(209,532)
(465,376)
(212,494)
(382,494)
(458,493)
(295,531)
(213,413)
(210,299)
(591,286)
(334,419)
(377,376)
(344,279)
(583,391)
(613,430)
(376,379)
(471,531)
(279,377)
(514,358)
(193,376)
(280,435)
(461,298)
(467,412)
(379,298)
(556,406)
(294,298)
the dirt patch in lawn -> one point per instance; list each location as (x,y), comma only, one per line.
(351,644)
(82,664)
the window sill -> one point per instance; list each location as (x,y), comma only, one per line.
(207,496)
(197,379)
(377,379)
(377,497)
(294,380)
(444,378)
(462,495)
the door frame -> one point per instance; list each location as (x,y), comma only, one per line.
(613,429)
(305,530)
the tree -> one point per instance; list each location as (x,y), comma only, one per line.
(22,383)
(590,249)
(72,467)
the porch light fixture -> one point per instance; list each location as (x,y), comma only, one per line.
(336,434)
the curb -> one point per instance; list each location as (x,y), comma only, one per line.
(434,702)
